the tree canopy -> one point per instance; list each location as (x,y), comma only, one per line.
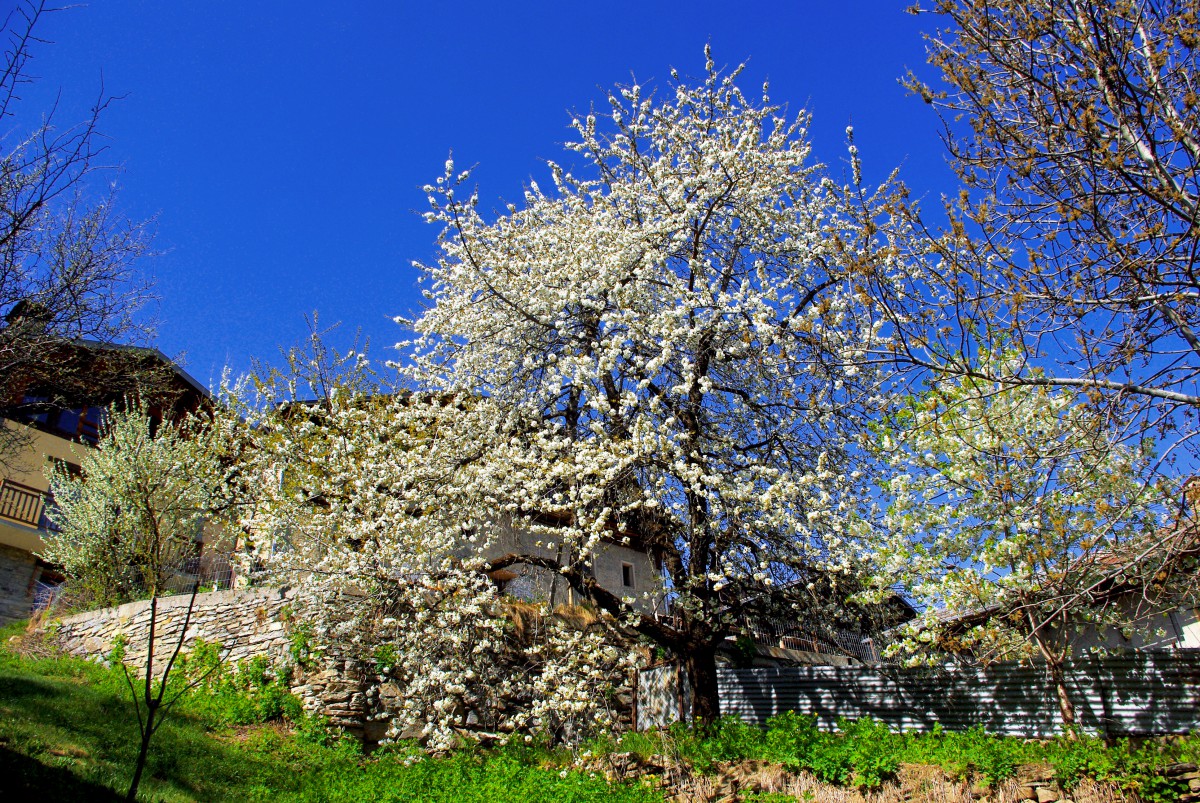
(668,350)
(1015,522)
(1072,125)
(133,515)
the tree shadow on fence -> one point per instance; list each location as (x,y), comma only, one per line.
(1139,693)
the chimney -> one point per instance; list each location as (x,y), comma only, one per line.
(29,312)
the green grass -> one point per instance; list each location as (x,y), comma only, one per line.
(68,733)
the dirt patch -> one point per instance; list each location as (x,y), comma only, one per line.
(240,734)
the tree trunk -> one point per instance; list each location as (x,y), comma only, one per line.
(144,751)
(155,710)
(1054,655)
(701,665)
(1059,679)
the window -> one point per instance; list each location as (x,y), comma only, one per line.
(82,424)
(68,422)
(77,423)
(35,410)
(627,575)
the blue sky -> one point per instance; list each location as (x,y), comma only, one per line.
(280,146)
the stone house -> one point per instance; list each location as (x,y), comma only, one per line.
(622,566)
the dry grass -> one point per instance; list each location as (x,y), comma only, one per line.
(34,643)
(576,617)
(914,784)
(528,617)
(525,616)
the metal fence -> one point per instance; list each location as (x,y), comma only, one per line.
(1137,693)
(44,595)
(212,571)
(794,636)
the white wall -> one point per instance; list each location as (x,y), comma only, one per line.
(607,566)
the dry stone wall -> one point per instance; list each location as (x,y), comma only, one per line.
(249,623)
(246,623)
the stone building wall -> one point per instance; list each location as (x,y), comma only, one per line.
(246,623)
(18,570)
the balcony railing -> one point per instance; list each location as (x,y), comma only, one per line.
(24,504)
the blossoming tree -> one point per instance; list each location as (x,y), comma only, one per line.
(670,347)
(368,512)
(130,520)
(1017,521)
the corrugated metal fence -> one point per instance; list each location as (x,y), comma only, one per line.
(1137,693)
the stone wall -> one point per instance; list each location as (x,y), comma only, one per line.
(246,623)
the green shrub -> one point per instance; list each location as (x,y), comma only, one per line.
(828,760)
(971,753)
(1154,788)
(250,693)
(116,655)
(300,648)
(873,751)
(1089,757)
(862,752)
(789,736)
(865,753)
(727,739)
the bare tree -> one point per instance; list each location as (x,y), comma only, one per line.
(66,256)
(1073,125)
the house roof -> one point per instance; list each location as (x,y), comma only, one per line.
(76,374)
(153,353)
(1148,564)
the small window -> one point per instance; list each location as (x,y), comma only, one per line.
(627,575)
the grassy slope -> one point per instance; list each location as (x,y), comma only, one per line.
(68,732)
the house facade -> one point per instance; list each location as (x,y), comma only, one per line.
(621,568)
(46,426)
(24,495)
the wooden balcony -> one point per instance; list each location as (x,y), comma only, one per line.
(23,504)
